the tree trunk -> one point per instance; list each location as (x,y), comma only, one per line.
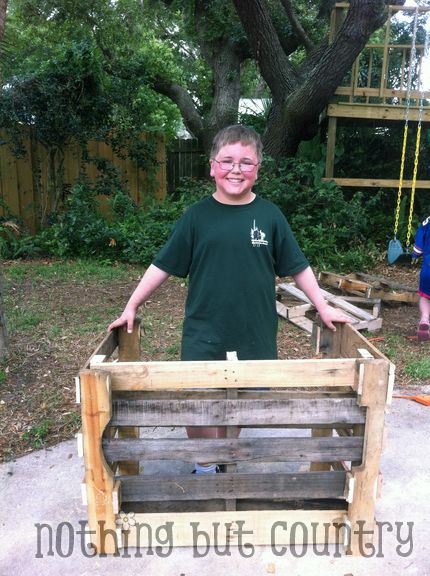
(299,95)
(3,10)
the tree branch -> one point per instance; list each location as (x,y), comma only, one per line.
(274,65)
(184,102)
(298,29)
(363,17)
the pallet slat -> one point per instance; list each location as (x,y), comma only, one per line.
(253,486)
(235,450)
(236,412)
(230,374)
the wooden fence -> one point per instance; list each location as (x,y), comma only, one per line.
(31,187)
(185,158)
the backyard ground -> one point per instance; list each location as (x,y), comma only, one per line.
(58,312)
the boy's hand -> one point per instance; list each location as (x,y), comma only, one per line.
(126,319)
(329,315)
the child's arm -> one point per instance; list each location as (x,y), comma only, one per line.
(307,282)
(151,280)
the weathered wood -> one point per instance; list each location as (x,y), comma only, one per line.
(106,348)
(195,487)
(232,432)
(129,343)
(321,465)
(336,411)
(361,510)
(230,374)
(317,527)
(129,351)
(99,480)
(233,450)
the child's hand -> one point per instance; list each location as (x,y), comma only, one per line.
(126,319)
(329,315)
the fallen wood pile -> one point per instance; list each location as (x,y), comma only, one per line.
(295,313)
(370,286)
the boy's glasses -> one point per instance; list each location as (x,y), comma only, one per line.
(228,166)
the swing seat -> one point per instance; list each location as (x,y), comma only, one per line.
(396,254)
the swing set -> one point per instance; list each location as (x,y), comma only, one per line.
(396,254)
(386,85)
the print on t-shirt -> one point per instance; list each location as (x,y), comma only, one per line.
(258,236)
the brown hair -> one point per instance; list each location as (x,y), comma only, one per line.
(237,133)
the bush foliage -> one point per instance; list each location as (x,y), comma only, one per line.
(335,229)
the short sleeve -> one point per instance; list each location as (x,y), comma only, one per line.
(175,256)
(289,258)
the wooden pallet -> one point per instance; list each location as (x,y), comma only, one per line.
(370,287)
(341,399)
(361,319)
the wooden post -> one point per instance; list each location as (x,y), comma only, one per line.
(331,146)
(99,480)
(129,351)
(361,511)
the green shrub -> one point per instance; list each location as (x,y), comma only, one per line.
(336,229)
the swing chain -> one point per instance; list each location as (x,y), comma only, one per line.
(405,131)
(418,140)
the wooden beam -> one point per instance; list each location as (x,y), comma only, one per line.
(361,510)
(378,182)
(376,111)
(230,374)
(99,480)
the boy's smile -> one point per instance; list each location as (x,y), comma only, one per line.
(234,186)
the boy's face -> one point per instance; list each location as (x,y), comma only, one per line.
(235,186)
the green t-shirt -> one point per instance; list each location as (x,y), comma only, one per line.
(231,254)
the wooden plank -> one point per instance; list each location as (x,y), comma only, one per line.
(378,182)
(338,301)
(252,486)
(381,282)
(361,510)
(232,434)
(303,323)
(233,450)
(331,146)
(105,348)
(129,350)
(317,527)
(375,111)
(344,283)
(321,465)
(99,480)
(230,374)
(235,412)
(242,393)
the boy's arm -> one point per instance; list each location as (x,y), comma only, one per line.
(307,282)
(151,280)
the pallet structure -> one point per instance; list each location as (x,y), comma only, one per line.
(296,313)
(317,487)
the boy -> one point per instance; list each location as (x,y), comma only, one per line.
(232,246)
(422,248)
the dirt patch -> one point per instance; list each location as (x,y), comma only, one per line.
(58,323)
